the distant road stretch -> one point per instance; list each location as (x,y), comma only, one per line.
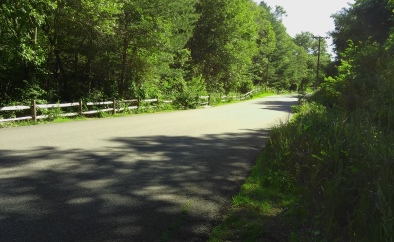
(153,177)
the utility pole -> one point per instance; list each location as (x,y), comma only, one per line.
(319,38)
(266,73)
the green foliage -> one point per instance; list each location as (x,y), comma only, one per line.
(66,50)
(339,161)
(305,69)
(258,209)
(283,61)
(32,91)
(342,155)
(223,43)
(246,86)
(337,151)
(51,113)
(189,93)
(102,114)
(366,19)
(328,94)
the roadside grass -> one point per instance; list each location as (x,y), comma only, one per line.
(263,94)
(67,119)
(327,175)
(16,124)
(263,208)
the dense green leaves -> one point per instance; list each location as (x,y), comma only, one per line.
(307,64)
(359,129)
(224,42)
(363,39)
(59,50)
(366,19)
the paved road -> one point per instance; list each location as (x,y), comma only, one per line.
(164,176)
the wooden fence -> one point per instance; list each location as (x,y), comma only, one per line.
(113,106)
(237,97)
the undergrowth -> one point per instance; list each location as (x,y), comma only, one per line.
(258,210)
(343,161)
(327,175)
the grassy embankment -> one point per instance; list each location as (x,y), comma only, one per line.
(327,175)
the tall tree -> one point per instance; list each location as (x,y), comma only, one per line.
(308,69)
(63,50)
(77,34)
(360,34)
(152,39)
(366,19)
(21,52)
(266,43)
(224,43)
(282,58)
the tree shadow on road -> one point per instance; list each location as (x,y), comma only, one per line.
(282,105)
(169,188)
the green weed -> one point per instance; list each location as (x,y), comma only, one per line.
(258,209)
(338,159)
(52,113)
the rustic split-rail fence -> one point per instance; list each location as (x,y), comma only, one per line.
(89,108)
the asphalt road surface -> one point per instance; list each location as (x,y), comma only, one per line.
(152,177)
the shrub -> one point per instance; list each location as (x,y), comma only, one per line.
(188,95)
(343,162)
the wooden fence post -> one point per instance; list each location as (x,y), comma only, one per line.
(114,106)
(33,109)
(138,102)
(80,107)
(209,100)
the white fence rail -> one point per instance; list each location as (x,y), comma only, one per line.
(111,106)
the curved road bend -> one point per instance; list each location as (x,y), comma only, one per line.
(154,177)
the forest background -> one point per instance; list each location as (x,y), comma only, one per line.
(61,51)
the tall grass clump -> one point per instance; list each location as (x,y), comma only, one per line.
(339,149)
(343,162)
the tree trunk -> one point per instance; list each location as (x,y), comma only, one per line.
(122,81)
